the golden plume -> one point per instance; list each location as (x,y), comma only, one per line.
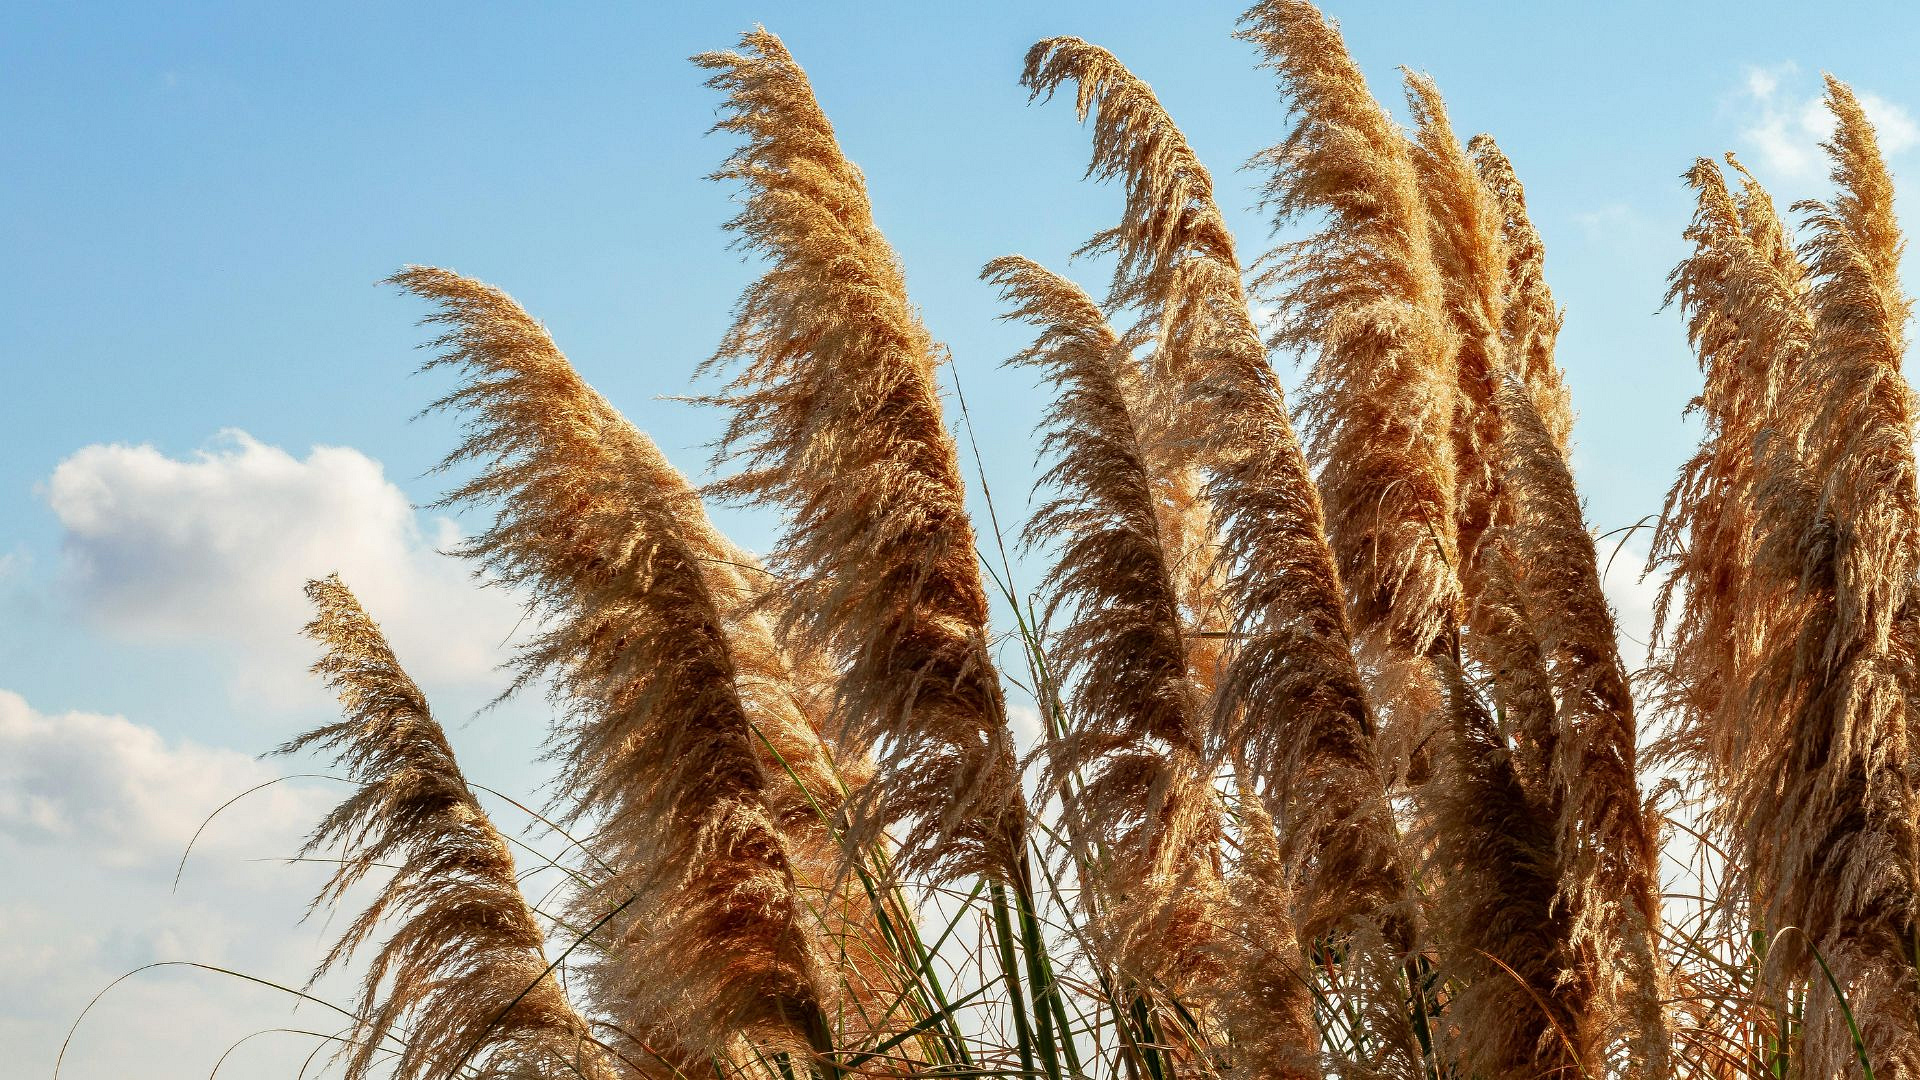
(1531,322)
(1289,710)
(1362,294)
(664,720)
(1469,251)
(836,415)
(1500,908)
(1267,1002)
(1136,704)
(1551,627)
(463,979)
(1494,879)
(1606,840)
(1471,258)
(1836,825)
(1749,324)
(1289,703)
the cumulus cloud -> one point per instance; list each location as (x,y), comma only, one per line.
(1787,120)
(94,813)
(214,548)
(119,794)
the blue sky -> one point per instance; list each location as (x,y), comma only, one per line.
(196,201)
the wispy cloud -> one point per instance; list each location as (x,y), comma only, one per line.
(1784,120)
(1614,225)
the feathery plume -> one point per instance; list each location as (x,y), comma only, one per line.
(1268,1002)
(1495,877)
(1500,908)
(1289,703)
(1471,258)
(1836,826)
(1749,324)
(1795,535)
(1743,294)
(1135,709)
(1469,252)
(1553,628)
(1288,708)
(463,979)
(1531,322)
(836,415)
(1362,293)
(661,733)
(1497,611)
(1606,842)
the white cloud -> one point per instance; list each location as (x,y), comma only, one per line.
(1632,596)
(1787,126)
(118,794)
(94,813)
(1268,318)
(214,549)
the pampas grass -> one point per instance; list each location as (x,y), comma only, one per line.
(1339,765)
(462,973)
(1362,294)
(659,746)
(1136,703)
(1289,708)
(837,422)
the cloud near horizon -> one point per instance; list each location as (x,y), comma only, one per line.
(95,811)
(125,797)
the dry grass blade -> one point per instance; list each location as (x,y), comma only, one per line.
(462,977)
(660,738)
(837,418)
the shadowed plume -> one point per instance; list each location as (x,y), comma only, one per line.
(1135,706)
(1289,702)
(1288,707)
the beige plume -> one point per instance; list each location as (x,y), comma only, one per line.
(660,743)
(462,980)
(837,420)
